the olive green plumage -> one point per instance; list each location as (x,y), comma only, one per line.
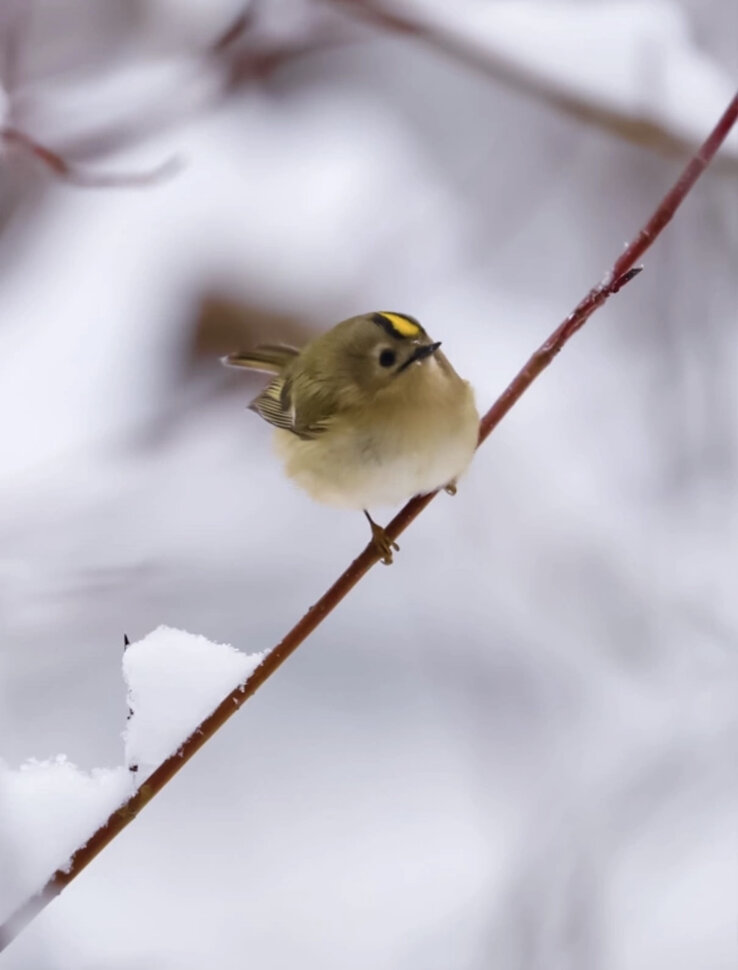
(370,412)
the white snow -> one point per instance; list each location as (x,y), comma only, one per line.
(175,679)
(48,809)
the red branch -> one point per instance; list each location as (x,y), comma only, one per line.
(623,271)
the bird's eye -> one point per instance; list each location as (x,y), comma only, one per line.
(387,358)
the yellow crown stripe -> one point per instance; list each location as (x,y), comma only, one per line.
(405,326)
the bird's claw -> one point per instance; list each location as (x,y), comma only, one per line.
(382,542)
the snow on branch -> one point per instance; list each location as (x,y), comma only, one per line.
(49,808)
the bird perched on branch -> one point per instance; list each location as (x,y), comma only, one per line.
(368,413)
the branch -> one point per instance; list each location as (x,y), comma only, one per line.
(647,132)
(118,133)
(623,271)
(71,173)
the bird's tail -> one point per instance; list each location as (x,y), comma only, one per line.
(269,358)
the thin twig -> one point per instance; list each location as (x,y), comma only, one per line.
(236,30)
(440,35)
(622,272)
(229,65)
(71,173)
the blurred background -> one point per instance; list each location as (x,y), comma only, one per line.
(516,748)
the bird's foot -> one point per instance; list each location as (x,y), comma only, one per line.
(382,542)
(450,489)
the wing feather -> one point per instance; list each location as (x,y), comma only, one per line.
(296,402)
(276,405)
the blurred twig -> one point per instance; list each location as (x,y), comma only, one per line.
(643,131)
(243,54)
(223,322)
(58,162)
(78,176)
(623,270)
(247,51)
(236,29)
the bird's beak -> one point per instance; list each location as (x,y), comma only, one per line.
(425,350)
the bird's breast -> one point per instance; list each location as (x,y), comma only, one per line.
(388,451)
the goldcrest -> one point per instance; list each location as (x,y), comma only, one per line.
(369,413)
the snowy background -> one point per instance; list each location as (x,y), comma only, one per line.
(515,749)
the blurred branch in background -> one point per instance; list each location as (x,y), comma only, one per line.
(77,176)
(623,270)
(247,51)
(14,29)
(443,34)
(256,44)
(221,323)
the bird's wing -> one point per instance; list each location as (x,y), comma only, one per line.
(274,405)
(269,358)
(281,404)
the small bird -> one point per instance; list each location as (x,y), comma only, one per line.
(368,413)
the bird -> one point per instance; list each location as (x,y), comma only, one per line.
(368,413)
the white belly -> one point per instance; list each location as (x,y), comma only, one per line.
(387,466)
